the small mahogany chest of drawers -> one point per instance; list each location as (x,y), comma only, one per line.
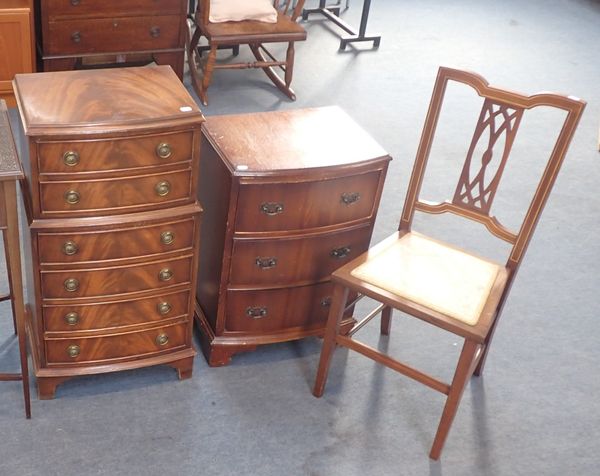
(113,220)
(74,32)
(289,196)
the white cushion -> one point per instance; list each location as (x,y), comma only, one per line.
(239,10)
(433,274)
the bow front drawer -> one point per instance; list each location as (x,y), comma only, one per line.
(136,312)
(79,283)
(116,347)
(116,195)
(114,154)
(303,205)
(117,243)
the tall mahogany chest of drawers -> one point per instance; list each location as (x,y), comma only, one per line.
(113,220)
(289,196)
(76,32)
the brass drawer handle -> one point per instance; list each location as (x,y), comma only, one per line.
(165,274)
(266,263)
(167,237)
(70,248)
(76,37)
(163,308)
(155,32)
(162,339)
(270,208)
(73,350)
(326,301)
(350,198)
(72,318)
(72,197)
(70,158)
(340,253)
(256,312)
(75,2)
(163,150)
(71,284)
(162,188)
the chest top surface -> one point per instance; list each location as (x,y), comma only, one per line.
(103,101)
(290,140)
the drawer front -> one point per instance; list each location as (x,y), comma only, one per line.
(75,8)
(116,195)
(114,154)
(113,315)
(287,261)
(117,280)
(119,346)
(277,309)
(295,206)
(106,35)
(134,241)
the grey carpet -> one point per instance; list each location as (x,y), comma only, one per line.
(536,410)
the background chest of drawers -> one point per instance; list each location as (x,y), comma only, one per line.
(289,196)
(75,32)
(113,220)
(17,52)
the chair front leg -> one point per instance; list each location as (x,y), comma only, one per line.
(208,71)
(289,64)
(464,370)
(336,312)
(386,320)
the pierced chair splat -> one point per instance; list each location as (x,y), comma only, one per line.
(449,287)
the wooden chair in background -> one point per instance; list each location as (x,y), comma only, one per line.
(443,285)
(256,34)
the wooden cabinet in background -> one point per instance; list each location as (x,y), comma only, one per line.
(288,197)
(17,54)
(76,34)
(112,241)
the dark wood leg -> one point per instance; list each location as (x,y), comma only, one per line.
(208,71)
(386,320)
(464,370)
(336,312)
(272,75)
(10,285)
(13,261)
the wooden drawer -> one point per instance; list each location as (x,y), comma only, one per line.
(116,195)
(277,309)
(105,35)
(85,317)
(114,154)
(295,206)
(295,260)
(130,242)
(115,280)
(79,8)
(117,346)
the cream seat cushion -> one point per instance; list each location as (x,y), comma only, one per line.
(238,10)
(433,274)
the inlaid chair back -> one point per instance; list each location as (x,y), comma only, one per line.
(495,130)
(449,287)
(244,22)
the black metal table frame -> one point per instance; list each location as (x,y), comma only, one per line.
(332,12)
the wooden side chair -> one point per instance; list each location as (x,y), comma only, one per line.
(255,23)
(443,285)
